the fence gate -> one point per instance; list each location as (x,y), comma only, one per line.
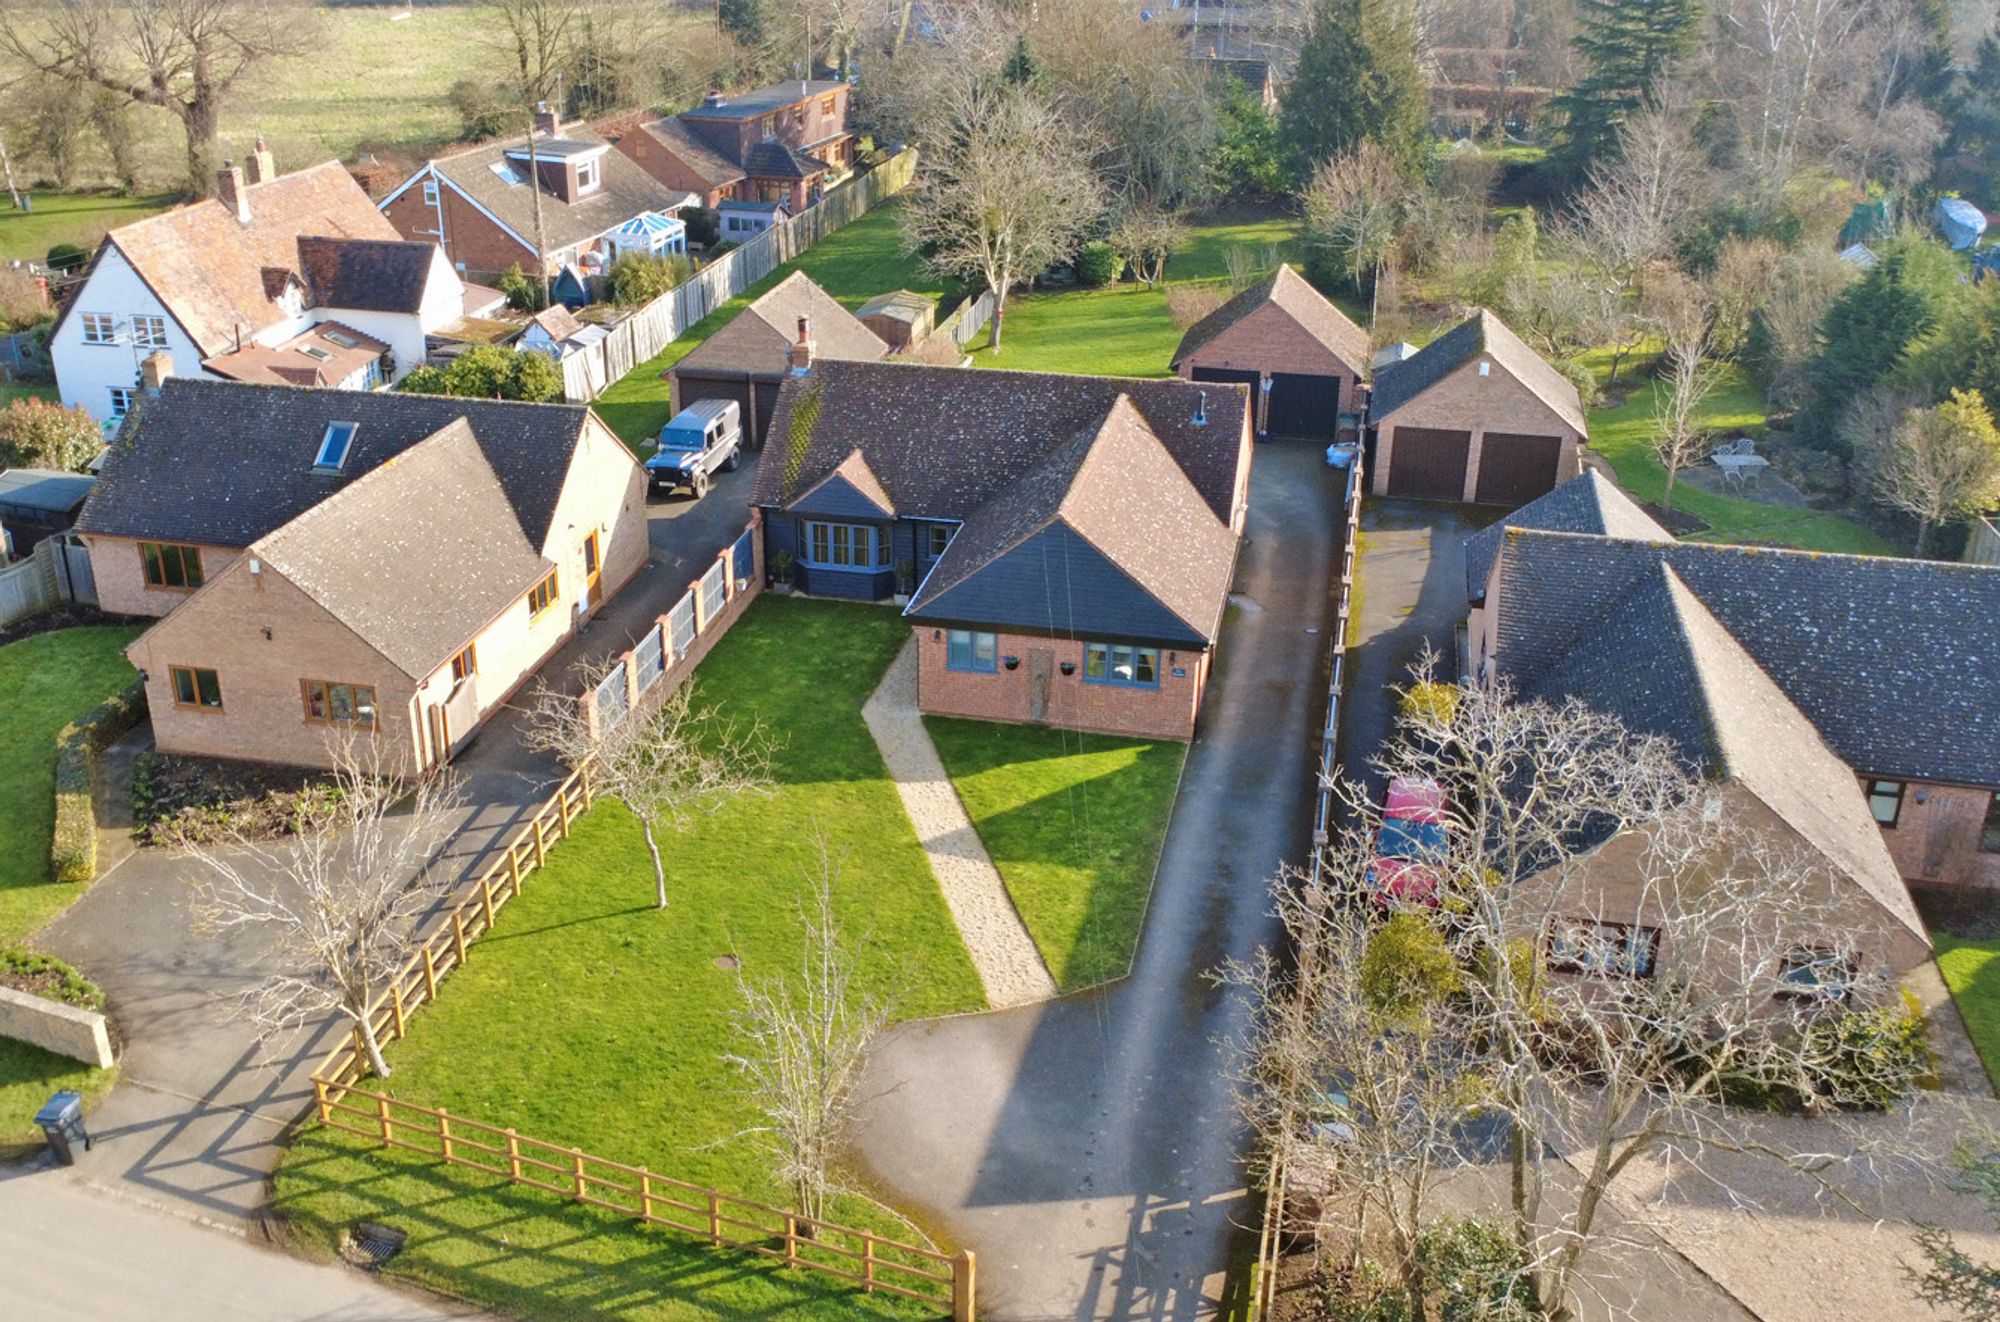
(612,698)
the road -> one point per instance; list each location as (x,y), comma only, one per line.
(1088,1148)
(74,1253)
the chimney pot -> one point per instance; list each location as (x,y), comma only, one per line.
(155,369)
(713,99)
(802,352)
(260,166)
(547,118)
(230,191)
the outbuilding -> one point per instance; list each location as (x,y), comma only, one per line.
(1300,355)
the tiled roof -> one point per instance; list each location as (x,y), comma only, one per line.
(210,271)
(323,354)
(221,464)
(771,159)
(367,275)
(1671,669)
(1115,489)
(1481,333)
(624,191)
(1315,314)
(1590,502)
(759,339)
(1892,660)
(944,441)
(417,555)
(557,322)
(689,148)
(763,100)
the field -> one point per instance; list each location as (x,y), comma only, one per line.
(78,218)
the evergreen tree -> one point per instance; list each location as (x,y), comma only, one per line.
(1357,81)
(1914,287)
(1023,67)
(1970,160)
(1625,48)
(745,19)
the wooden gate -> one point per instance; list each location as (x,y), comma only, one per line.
(1041,673)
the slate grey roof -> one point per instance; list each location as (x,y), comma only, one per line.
(1313,311)
(1891,660)
(417,556)
(1589,502)
(368,275)
(771,159)
(1481,333)
(1671,669)
(30,491)
(222,464)
(1105,535)
(763,100)
(625,191)
(944,441)
(759,339)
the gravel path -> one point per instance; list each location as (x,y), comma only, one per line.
(1001,949)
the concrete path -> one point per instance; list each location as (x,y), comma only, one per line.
(76,1253)
(1087,1149)
(1009,964)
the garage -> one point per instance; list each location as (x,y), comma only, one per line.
(1304,405)
(1426,463)
(1515,468)
(690,388)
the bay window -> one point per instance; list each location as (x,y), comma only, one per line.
(845,546)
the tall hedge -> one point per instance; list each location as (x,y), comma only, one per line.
(73,845)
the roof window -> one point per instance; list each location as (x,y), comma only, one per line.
(507,173)
(313,351)
(333,450)
(342,338)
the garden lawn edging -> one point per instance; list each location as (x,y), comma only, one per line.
(73,844)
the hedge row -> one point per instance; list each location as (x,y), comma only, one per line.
(73,847)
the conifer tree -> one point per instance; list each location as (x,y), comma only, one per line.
(1625,48)
(1357,81)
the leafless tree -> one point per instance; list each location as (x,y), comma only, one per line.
(339,900)
(1745,271)
(1803,287)
(1684,312)
(1784,60)
(666,761)
(1638,204)
(1006,194)
(185,56)
(803,1041)
(1941,464)
(1145,235)
(1352,208)
(540,37)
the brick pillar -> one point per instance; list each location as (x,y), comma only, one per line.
(1385,440)
(1472,460)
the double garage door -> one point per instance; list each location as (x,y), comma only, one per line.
(1426,463)
(1300,405)
(693,388)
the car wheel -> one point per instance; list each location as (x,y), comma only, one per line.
(698,484)
(734,460)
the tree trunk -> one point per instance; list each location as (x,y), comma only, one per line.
(200,121)
(999,310)
(659,867)
(1923,535)
(1667,499)
(372,1048)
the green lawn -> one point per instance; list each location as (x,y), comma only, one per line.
(11,392)
(1972,970)
(48,680)
(27,1076)
(1074,823)
(79,218)
(1123,330)
(1624,435)
(588,1017)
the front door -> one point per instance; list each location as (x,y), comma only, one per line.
(593,571)
(1041,673)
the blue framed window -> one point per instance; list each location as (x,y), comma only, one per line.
(1127,665)
(938,537)
(845,546)
(967,650)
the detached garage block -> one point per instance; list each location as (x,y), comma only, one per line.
(1284,332)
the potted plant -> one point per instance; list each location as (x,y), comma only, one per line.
(906,581)
(1069,667)
(781,572)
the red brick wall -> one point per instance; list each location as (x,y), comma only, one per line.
(1938,840)
(470,239)
(1270,341)
(1467,401)
(664,166)
(1167,712)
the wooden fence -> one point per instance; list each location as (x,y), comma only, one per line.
(587,372)
(876,1263)
(58,570)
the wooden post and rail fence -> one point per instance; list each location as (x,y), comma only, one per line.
(725,1220)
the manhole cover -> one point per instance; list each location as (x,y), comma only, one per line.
(370,1245)
(727,961)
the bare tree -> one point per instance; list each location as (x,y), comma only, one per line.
(1784,59)
(1146,236)
(1685,314)
(339,900)
(1638,204)
(1006,194)
(1352,207)
(804,1037)
(541,37)
(185,56)
(1803,287)
(667,762)
(1941,464)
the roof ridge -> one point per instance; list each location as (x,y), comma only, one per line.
(1748,549)
(364,480)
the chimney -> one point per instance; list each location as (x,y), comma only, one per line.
(1201,408)
(712,100)
(547,119)
(802,352)
(154,369)
(261,166)
(229,190)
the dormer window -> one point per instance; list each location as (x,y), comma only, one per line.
(333,450)
(587,177)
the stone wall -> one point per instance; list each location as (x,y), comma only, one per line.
(51,1025)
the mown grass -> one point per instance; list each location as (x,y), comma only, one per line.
(588,1017)
(78,218)
(28,1075)
(11,392)
(48,680)
(1971,970)
(1074,822)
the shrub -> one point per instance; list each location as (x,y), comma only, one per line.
(490,372)
(65,255)
(37,434)
(1098,264)
(1407,969)
(73,844)
(49,978)
(704,227)
(523,294)
(482,110)
(1471,1268)
(637,279)
(1428,700)
(1187,304)
(1866,1060)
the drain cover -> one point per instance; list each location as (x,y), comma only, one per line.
(727,961)
(370,1245)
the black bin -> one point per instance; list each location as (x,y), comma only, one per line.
(61,1119)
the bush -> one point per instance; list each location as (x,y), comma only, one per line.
(490,372)
(63,256)
(49,978)
(523,294)
(73,844)
(1866,1060)
(1098,264)
(704,227)
(1187,304)
(482,110)
(637,279)
(727,245)
(37,434)
(1428,700)
(1471,1266)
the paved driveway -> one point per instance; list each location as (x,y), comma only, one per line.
(1087,1149)
(193,1122)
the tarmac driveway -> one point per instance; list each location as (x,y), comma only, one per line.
(1087,1148)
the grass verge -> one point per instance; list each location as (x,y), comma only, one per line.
(1074,822)
(1971,970)
(589,1017)
(28,1075)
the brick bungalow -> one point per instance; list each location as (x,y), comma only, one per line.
(1301,356)
(333,563)
(774,144)
(1883,660)
(751,356)
(1476,416)
(1066,542)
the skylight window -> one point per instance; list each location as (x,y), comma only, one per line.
(342,339)
(333,450)
(315,352)
(507,173)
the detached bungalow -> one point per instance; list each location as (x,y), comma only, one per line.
(1300,355)
(330,564)
(1065,543)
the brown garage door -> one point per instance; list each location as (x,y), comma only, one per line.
(1428,464)
(1514,469)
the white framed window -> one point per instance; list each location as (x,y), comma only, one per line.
(121,400)
(1623,950)
(99,328)
(149,332)
(430,192)
(587,177)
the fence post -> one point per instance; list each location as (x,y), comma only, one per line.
(319,1099)
(513,1156)
(868,1262)
(444,1133)
(382,1117)
(645,1195)
(583,772)
(576,1169)
(430,974)
(562,805)
(486,895)
(791,1240)
(964,1269)
(458,933)
(715,1218)
(541,850)
(514,871)
(396,1004)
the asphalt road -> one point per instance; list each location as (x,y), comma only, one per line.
(1087,1149)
